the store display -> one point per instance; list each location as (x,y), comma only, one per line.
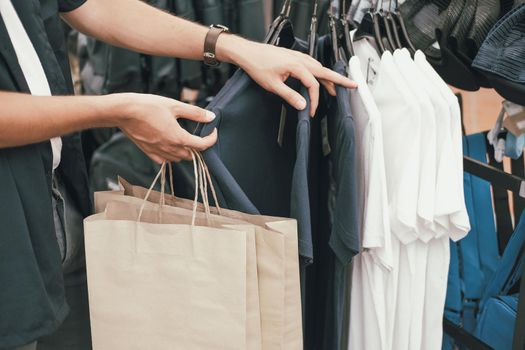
(376,223)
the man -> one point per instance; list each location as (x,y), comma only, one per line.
(43,182)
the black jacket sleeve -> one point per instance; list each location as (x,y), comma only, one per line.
(69,5)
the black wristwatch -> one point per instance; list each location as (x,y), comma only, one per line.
(210,58)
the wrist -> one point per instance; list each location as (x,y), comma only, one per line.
(233,49)
(119,108)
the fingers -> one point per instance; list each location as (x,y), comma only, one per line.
(333,77)
(309,81)
(329,86)
(180,150)
(290,95)
(198,143)
(191,112)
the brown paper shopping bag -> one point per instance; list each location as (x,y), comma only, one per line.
(118,210)
(292,331)
(165,286)
(269,255)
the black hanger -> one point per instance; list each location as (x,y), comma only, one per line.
(393,25)
(279,23)
(312,36)
(405,38)
(334,36)
(384,33)
(495,176)
(462,336)
(386,28)
(395,30)
(369,27)
(346,40)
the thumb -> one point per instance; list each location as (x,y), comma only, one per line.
(290,95)
(199,143)
(194,113)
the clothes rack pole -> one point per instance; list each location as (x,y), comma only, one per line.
(495,176)
(518,342)
(460,335)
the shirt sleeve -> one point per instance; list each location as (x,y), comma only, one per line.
(69,5)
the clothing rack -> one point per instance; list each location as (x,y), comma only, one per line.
(518,341)
(463,337)
(508,181)
(516,185)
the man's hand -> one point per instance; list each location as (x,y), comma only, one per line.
(138,26)
(151,123)
(270,66)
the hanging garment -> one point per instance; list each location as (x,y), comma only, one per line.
(418,250)
(427,168)
(401,129)
(418,279)
(510,267)
(375,257)
(189,71)
(514,145)
(475,258)
(335,222)
(343,228)
(497,320)
(301,14)
(438,258)
(250,21)
(451,156)
(497,315)
(248,151)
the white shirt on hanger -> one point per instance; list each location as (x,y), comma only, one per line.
(459,224)
(401,124)
(400,116)
(29,63)
(417,252)
(372,264)
(427,167)
(439,248)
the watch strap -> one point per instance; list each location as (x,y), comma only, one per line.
(210,43)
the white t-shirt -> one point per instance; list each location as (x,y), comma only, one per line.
(459,224)
(417,252)
(372,187)
(29,63)
(401,122)
(374,262)
(401,130)
(427,162)
(438,259)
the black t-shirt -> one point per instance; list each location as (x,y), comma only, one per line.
(32,302)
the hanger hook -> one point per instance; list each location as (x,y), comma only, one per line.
(312,40)
(343,14)
(287,5)
(379,4)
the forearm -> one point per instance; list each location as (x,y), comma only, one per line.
(140,27)
(26,119)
